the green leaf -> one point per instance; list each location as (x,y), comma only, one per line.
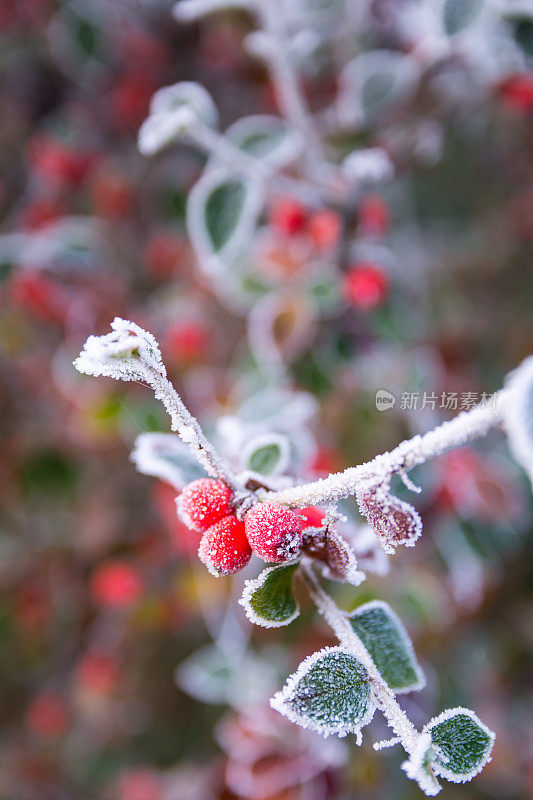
(266,138)
(389,646)
(459,14)
(269,600)
(265,459)
(330,693)
(462,744)
(222,212)
(162,455)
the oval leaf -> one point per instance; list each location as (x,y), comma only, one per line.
(267,455)
(329,693)
(266,138)
(389,646)
(462,744)
(459,14)
(162,455)
(374,84)
(221,215)
(269,600)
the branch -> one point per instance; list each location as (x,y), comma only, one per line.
(464,428)
(130,353)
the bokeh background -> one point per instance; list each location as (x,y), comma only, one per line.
(101,593)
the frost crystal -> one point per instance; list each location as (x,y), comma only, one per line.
(122,354)
(393,521)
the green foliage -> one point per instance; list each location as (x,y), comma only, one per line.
(463,744)
(269,600)
(330,693)
(387,642)
(223,209)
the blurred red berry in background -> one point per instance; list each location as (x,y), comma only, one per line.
(140,784)
(516,92)
(288,217)
(97,672)
(47,715)
(116,584)
(325,228)
(365,286)
(374,217)
(186,341)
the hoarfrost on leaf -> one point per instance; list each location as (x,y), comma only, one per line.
(269,600)
(163,456)
(330,693)
(393,520)
(461,742)
(384,636)
(122,354)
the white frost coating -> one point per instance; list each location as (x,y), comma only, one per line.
(130,353)
(123,354)
(162,455)
(280,700)
(438,766)
(368,166)
(212,262)
(288,142)
(393,521)
(464,428)
(416,770)
(349,569)
(518,415)
(406,640)
(189,10)
(174,110)
(250,586)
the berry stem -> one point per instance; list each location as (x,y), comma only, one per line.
(188,428)
(464,428)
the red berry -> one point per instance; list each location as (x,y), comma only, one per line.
(325,228)
(224,548)
(186,341)
(97,672)
(288,217)
(517,92)
(116,584)
(47,715)
(140,784)
(365,286)
(314,517)
(204,502)
(373,216)
(274,532)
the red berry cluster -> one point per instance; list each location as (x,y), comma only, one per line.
(271,531)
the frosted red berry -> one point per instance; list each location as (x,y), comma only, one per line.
(313,517)
(204,502)
(274,532)
(224,548)
(365,286)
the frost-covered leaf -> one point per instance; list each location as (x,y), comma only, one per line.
(226,676)
(268,454)
(374,84)
(269,600)
(173,111)
(388,643)
(266,138)
(462,744)
(393,521)
(335,554)
(518,414)
(122,354)
(162,455)
(330,693)
(222,211)
(459,14)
